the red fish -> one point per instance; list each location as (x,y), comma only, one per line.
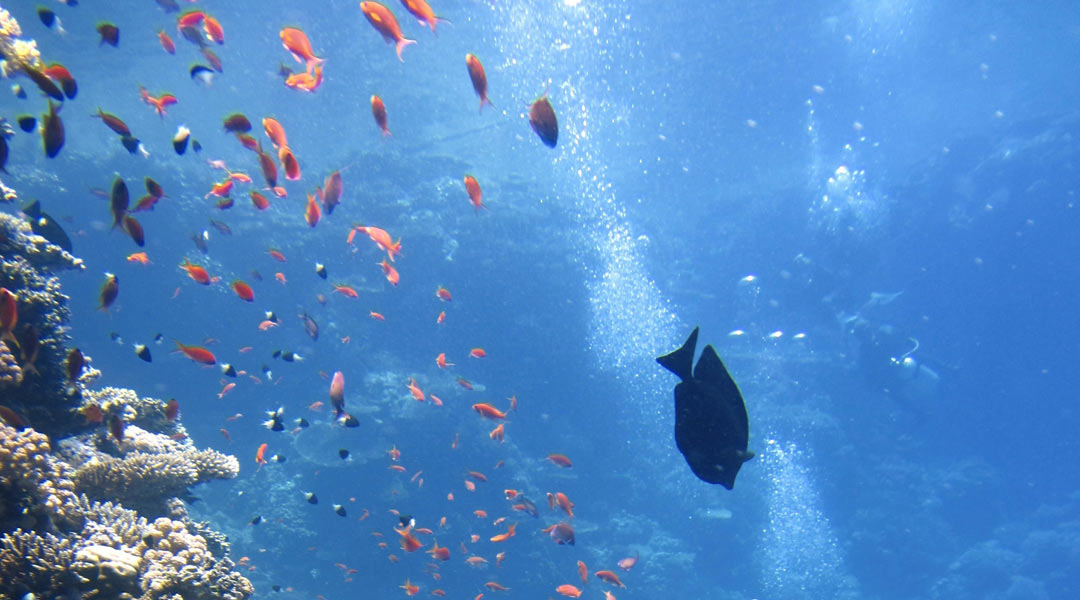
(583,572)
(477,353)
(479,79)
(275,132)
(488,411)
(543,121)
(243,291)
(423,13)
(410,589)
(197,353)
(260,454)
(296,42)
(568,590)
(307,81)
(628,563)
(443,294)
(110,289)
(409,543)
(609,577)
(378,110)
(502,537)
(172,410)
(159,103)
(561,460)
(214,31)
(384,22)
(337,393)
(475,194)
(259,201)
(166,42)
(313,213)
(415,390)
(9,314)
(441,553)
(196,273)
(289,163)
(441,361)
(390,272)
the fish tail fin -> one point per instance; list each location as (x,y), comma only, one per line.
(401,43)
(681,361)
(485,100)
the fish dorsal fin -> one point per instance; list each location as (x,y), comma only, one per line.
(681,361)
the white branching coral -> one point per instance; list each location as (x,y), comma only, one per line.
(15,51)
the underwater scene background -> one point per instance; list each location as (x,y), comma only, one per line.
(867,206)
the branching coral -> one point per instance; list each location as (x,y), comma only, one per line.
(13,49)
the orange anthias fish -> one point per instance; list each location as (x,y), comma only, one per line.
(441,361)
(378,110)
(423,13)
(337,394)
(502,537)
(390,272)
(409,543)
(609,577)
(275,132)
(196,273)
(166,42)
(221,190)
(583,572)
(565,504)
(313,213)
(628,563)
(347,291)
(415,390)
(214,32)
(410,588)
(159,103)
(479,79)
(476,196)
(441,553)
(296,42)
(382,240)
(384,22)
(197,353)
(498,434)
(488,411)
(306,82)
(139,257)
(561,460)
(443,294)
(568,590)
(243,291)
(496,586)
(477,353)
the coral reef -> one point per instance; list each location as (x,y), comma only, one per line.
(91,481)
(27,262)
(13,49)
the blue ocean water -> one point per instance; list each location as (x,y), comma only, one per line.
(868,207)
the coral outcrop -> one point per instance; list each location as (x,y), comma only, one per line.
(91,481)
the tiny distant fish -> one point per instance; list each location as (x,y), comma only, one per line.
(143,352)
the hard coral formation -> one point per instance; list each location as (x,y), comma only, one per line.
(27,263)
(67,524)
(13,49)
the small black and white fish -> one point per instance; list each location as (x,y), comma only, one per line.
(343,453)
(311,497)
(256,520)
(340,510)
(302,423)
(228,370)
(143,352)
(320,270)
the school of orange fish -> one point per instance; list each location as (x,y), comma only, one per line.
(206,32)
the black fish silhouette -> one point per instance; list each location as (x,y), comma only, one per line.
(711,427)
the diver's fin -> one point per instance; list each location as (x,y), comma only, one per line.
(681,361)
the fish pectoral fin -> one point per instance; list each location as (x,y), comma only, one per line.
(745,455)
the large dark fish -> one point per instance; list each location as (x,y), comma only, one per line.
(45,226)
(711,427)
